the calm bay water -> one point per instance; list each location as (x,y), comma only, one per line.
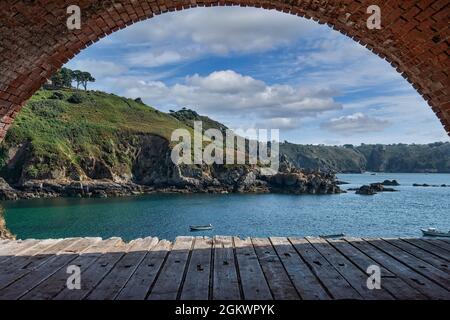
(167,216)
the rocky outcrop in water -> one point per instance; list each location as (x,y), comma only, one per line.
(430,185)
(300,182)
(390,183)
(372,189)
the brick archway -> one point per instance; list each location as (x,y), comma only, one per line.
(35,42)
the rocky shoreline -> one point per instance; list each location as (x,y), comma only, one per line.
(238,180)
(5,234)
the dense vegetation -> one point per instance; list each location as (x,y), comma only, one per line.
(190,116)
(434,157)
(65,77)
(73,133)
(67,128)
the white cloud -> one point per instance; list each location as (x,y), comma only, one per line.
(279,123)
(98,68)
(285,85)
(226,82)
(189,34)
(228,91)
(154,59)
(330,59)
(357,123)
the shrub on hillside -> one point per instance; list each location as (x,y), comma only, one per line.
(57,96)
(76,98)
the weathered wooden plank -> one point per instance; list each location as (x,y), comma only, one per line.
(420,266)
(20,287)
(30,259)
(14,248)
(95,272)
(435,250)
(58,281)
(44,255)
(5,246)
(225,278)
(169,281)
(436,243)
(197,282)
(29,254)
(396,286)
(144,277)
(435,261)
(116,279)
(353,275)
(427,287)
(254,284)
(334,283)
(411,268)
(444,243)
(278,280)
(304,280)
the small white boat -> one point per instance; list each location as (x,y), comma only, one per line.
(201,228)
(433,232)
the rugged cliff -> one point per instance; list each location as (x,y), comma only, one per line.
(427,158)
(93,144)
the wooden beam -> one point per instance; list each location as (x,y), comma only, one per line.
(279,282)
(427,287)
(142,280)
(119,275)
(169,281)
(197,282)
(253,282)
(225,277)
(395,285)
(304,280)
(57,282)
(335,283)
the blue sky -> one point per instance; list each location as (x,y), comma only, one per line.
(250,67)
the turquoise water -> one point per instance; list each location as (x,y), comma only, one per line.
(167,216)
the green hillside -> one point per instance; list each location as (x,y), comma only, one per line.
(433,157)
(65,127)
(71,134)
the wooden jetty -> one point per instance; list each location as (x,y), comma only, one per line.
(225,268)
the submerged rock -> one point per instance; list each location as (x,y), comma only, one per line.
(366,190)
(430,185)
(390,183)
(373,188)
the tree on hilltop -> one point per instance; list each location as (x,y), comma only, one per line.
(64,77)
(85,78)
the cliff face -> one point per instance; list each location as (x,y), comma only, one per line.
(152,170)
(105,145)
(325,158)
(433,157)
